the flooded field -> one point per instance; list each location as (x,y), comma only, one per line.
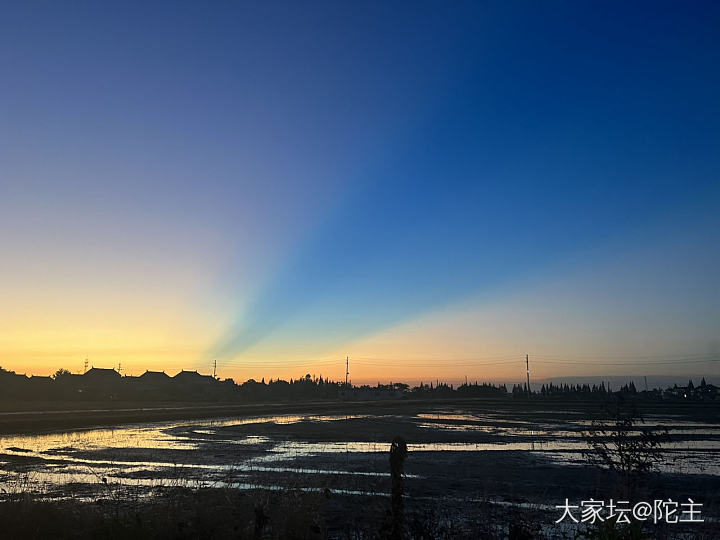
(465,453)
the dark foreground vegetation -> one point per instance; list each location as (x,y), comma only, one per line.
(227,514)
(184,514)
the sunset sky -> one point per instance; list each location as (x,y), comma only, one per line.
(433,189)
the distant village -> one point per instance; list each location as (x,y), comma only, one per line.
(101,384)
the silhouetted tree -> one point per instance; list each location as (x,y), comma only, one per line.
(60,373)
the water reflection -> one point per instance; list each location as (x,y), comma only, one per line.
(211,453)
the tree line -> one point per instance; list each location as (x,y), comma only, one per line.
(108,384)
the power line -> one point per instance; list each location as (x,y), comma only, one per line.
(443,365)
(433,362)
(277,364)
(438,362)
(467,358)
(625,356)
(632,362)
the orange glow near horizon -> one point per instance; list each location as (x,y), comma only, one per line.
(164,327)
(468,340)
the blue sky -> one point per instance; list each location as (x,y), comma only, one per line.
(257,175)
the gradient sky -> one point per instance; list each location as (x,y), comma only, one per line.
(433,190)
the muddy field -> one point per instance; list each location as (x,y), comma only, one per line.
(463,457)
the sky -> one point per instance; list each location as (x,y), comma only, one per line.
(432,190)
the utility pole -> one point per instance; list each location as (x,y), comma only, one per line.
(527,366)
(86,365)
(119,367)
(347,369)
(646,388)
(215,369)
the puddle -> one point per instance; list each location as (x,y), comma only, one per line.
(205,453)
